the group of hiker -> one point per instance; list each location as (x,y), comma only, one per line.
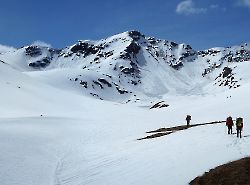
(229,124)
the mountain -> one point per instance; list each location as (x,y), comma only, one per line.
(4,49)
(130,67)
(53,131)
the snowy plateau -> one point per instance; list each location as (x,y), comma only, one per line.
(73,116)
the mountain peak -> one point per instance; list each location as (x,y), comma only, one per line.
(129,65)
(135,35)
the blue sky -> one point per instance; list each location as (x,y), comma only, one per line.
(202,24)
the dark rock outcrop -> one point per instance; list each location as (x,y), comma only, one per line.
(133,48)
(160,104)
(40,63)
(136,35)
(226,72)
(33,51)
(84,48)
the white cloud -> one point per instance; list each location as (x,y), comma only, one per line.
(188,7)
(214,6)
(245,3)
(217,7)
(4,48)
(41,43)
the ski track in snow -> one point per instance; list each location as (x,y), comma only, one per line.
(240,144)
(74,171)
(79,157)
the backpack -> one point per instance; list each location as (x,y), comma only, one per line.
(229,121)
(239,122)
(188,117)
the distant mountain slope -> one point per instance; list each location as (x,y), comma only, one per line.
(4,49)
(23,96)
(129,67)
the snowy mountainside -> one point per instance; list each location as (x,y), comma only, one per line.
(5,49)
(129,67)
(24,96)
(29,58)
(81,140)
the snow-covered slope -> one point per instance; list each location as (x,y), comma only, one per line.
(54,130)
(80,140)
(130,67)
(23,96)
(5,49)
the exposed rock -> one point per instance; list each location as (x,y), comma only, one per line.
(102,80)
(121,91)
(127,70)
(134,82)
(109,76)
(33,51)
(84,48)
(133,48)
(84,84)
(97,83)
(93,94)
(40,63)
(152,40)
(136,35)
(173,44)
(226,71)
(211,68)
(160,104)
(176,66)
(227,78)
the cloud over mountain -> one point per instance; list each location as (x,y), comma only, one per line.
(188,7)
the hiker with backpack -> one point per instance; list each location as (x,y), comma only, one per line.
(229,124)
(239,126)
(188,118)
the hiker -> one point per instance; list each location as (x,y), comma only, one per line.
(239,126)
(188,118)
(229,124)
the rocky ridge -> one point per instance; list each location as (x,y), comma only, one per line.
(119,64)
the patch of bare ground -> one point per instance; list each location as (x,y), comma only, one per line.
(155,135)
(233,173)
(166,131)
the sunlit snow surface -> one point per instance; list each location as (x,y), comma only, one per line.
(53,132)
(81,140)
